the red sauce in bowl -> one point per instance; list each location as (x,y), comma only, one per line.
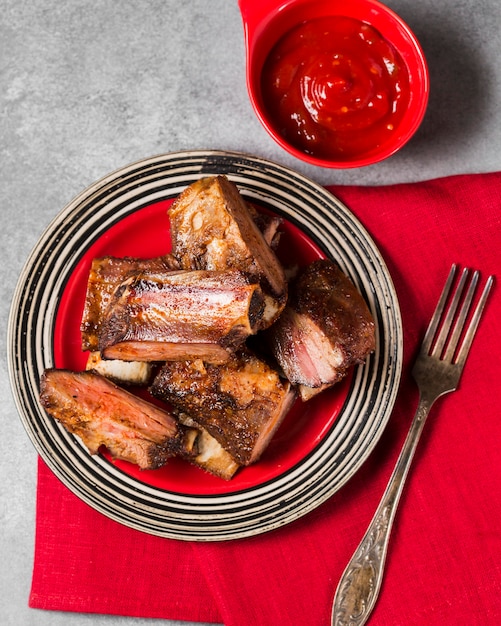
(335,88)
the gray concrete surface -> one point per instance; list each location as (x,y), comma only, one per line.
(87,87)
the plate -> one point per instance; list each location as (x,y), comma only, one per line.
(320,445)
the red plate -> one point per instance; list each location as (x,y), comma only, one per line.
(145,234)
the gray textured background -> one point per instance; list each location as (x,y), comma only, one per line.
(87,87)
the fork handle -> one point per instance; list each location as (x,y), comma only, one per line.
(360,583)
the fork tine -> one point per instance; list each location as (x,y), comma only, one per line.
(449,317)
(459,325)
(472,328)
(437,314)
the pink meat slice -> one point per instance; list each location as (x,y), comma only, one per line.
(325,329)
(103,414)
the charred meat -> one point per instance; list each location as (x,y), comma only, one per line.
(325,329)
(180,315)
(213,228)
(102,414)
(105,275)
(193,314)
(240,403)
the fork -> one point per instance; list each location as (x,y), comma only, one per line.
(437,371)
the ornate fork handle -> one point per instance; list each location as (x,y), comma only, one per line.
(359,586)
(437,371)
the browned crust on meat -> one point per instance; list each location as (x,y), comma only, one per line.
(324,330)
(169,312)
(158,351)
(324,293)
(105,275)
(213,228)
(241,403)
(206,452)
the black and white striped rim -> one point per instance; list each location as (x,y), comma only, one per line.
(206,517)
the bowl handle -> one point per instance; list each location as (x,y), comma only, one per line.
(255,12)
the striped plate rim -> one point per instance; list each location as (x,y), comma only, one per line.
(362,419)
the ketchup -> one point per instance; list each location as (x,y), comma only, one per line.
(335,88)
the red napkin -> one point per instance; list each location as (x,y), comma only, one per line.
(444,560)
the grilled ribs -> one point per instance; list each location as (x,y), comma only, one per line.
(105,275)
(240,403)
(193,310)
(213,228)
(180,315)
(102,414)
(325,329)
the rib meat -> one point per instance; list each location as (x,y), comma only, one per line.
(325,329)
(105,275)
(102,414)
(180,315)
(240,403)
(213,228)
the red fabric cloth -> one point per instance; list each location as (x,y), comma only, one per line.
(444,560)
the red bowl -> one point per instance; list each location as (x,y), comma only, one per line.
(267,21)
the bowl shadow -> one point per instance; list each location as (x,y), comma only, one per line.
(459,86)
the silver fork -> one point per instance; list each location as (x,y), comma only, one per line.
(437,371)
